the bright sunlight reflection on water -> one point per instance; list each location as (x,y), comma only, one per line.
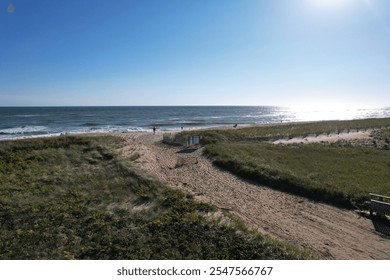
(335,113)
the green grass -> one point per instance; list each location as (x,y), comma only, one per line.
(75,198)
(342,174)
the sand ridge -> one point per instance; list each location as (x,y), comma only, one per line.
(331,138)
(327,231)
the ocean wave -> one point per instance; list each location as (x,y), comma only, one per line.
(90,124)
(30,115)
(5,134)
(24,129)
(25,116)
(105,129)
(160,124)
(115,129)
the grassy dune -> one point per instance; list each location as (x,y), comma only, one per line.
(341,173)
(291,130)
(75,198)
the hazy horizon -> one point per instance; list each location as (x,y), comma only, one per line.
(308,53)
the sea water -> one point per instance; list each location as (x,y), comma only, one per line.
(20,122)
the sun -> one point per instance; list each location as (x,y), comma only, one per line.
(329,3)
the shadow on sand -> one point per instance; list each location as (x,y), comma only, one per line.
(381,225)
(186,151)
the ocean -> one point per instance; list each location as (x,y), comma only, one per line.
(21,122)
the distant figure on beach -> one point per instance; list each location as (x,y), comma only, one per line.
(154,130)
(235,125)
(181,128)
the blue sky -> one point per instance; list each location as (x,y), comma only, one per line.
(195,52)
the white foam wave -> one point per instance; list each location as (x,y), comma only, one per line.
(29,115)
(24,129)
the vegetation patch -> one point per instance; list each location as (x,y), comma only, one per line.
(75,198)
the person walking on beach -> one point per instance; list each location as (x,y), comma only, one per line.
(154,130)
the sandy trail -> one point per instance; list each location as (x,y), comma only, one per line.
(328,232)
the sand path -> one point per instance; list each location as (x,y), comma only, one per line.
(328,232)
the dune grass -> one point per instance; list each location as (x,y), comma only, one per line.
(75,198)
(342,174)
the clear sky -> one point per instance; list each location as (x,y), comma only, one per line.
(194,52)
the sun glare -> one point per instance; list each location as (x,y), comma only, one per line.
(329,3)
(316,111)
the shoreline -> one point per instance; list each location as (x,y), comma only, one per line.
(219,127)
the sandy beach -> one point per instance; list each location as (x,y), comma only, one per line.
(329,232)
